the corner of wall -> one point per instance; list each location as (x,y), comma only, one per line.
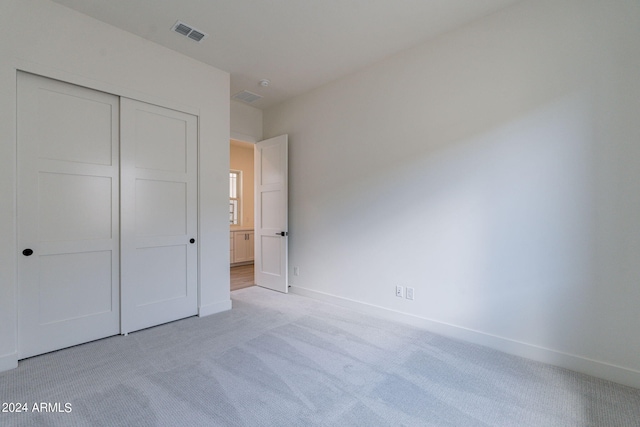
(8,243)
(217,307)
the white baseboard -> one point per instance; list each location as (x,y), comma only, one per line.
(8,362)
(607,371)
(217,307)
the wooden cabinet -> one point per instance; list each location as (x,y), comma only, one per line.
(241,246)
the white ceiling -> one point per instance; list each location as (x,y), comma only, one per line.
(297,44)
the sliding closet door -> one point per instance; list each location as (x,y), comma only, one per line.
(68,257)
(158,215)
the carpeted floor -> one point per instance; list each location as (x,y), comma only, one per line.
(285,360)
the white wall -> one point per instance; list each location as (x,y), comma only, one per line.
(246,122)
(496,170)
(45,38)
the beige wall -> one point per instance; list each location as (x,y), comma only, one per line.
(242,160)
(496,170)
(46,38)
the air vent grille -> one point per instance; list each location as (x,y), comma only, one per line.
(189,31)
(182,29)
(246,96)
(196,35)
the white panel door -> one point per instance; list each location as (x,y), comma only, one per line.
(158,215)
(271,213)
(68,267)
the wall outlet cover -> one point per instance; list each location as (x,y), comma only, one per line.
(410,293)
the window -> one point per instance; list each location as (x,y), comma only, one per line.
(234,197)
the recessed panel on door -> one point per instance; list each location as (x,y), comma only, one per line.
(74,128)
(160,208)
(161,274)
(65,279)
(270,165)
(270,262)
(271,209)
(63,209)
(161,141)
(68,220)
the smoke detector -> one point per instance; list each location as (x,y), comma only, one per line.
(188,31)
(265,82)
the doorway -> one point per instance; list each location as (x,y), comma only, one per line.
(263,240)
(241,214)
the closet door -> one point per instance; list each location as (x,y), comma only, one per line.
(158,215)
(68,261)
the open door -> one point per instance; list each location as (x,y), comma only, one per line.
(271,207)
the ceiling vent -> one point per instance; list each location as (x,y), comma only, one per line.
(246,96)
(189,31)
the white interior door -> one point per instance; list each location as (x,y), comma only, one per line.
(158,215)
(67,215)
(271,213)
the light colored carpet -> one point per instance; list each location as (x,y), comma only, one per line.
(285,360)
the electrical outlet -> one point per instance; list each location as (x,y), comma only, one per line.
(399,291)
(410,293)
(296,271)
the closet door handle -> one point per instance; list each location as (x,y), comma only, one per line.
(27,252)
(192,241)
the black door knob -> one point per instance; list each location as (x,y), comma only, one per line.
(192,241)
(27,252)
